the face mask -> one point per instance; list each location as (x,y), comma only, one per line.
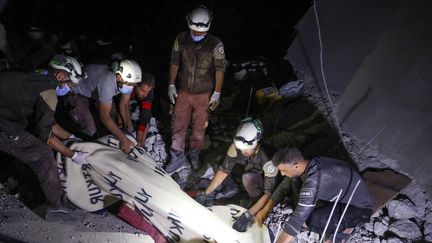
(197,38)
(62,91)
(126,89)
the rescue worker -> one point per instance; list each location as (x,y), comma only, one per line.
(99,86)
(259,177)
(197,60)
(29,96)
(141,96)
(321,180)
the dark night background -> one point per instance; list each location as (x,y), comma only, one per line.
(247,29)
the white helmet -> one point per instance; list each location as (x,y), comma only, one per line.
(248,134)
(130,71)
(199,19)
(68,64)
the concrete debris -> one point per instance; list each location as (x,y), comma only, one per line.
(380,228)
(402,209)
(154,144)
(406,228)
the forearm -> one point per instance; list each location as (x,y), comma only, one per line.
(60,132)
(219,77)
(173,70)
(285,238)
(141,136)
(112,127)
(261,203)
(58,146)
(217,180)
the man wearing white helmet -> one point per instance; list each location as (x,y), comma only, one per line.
(97,89)
(197,59)
(25,95)
(259,177)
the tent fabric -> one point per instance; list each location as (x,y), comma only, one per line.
(135,178)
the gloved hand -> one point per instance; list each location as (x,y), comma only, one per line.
(80,157)
(172,93)
(204,199)
(243,222)
(214,100)
(72,137)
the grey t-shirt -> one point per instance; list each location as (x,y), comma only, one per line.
(100,83)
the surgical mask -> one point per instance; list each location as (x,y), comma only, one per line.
(126,89)
(197,38)
(62,91)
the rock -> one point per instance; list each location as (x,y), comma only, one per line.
(405,228)
(395,240)
(402,209)
(418,196)
(428,228)
(380,228)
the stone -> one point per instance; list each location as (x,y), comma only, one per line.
(405,228)
(402,209)
(380,228)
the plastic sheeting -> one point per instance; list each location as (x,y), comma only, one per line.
(112,175)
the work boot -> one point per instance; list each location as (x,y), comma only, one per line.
(65,212)
(177,159)
(194,159)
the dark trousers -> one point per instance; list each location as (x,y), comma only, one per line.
(353,217)
(39,156)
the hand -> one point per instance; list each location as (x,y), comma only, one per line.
(172,93)
(204,199)
(73,138)
(214,100)
(126,145)
(243,222)
(80,158)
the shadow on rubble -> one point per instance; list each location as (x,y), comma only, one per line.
(287,122)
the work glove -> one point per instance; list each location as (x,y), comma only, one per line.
(204,199)
(214,100)
(243,222)
(80,158)
(172,93)
(74,138)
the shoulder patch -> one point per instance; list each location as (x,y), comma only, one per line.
(221,50)
(307,192)
(232,151)
(269,169)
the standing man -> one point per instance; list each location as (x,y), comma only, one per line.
(101,84)
(31,95)
(142,95)
(321,178)
(197,58)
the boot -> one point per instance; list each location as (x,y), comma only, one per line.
(194,159)
(178,158)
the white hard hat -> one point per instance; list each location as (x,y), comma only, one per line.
(130,71)
(248,134)
(199,19)
(68,64)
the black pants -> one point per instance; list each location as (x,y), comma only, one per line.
(39,156)
(353,217)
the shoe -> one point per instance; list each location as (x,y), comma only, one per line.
(228,193)
(63,213)
(177,159)
(194,159)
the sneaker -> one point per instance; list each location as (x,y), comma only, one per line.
(228,193)
(64,214)
(194,159)
(177,160)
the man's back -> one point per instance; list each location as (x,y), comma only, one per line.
(99,84)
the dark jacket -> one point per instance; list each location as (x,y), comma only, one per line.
(21,97)
(324,178)
(255,163)
(197,62)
